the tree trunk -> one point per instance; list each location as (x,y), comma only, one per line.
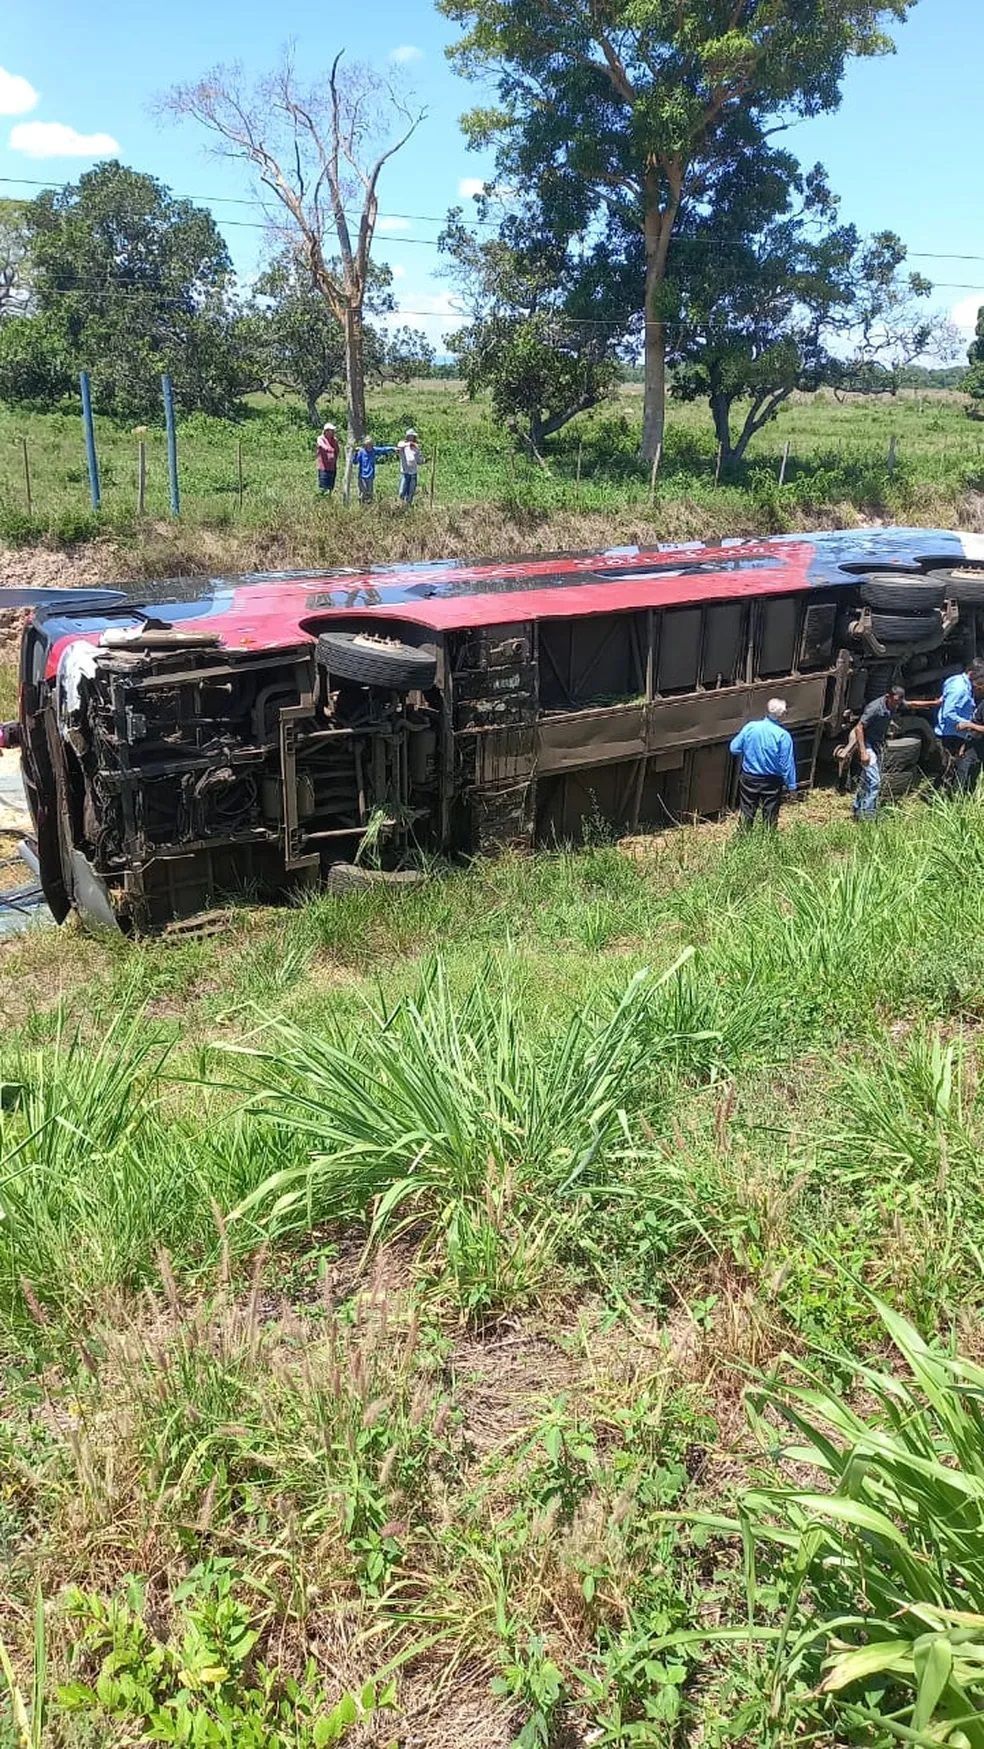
(658,226)
(355,375)
(313,412)
(721,415)
(654,371)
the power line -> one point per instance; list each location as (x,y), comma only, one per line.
(433,219)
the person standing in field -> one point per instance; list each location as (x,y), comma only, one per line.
(768,766)
(871,733)
(364,461)
(411,457)
(327,459)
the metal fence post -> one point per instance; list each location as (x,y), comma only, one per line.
(172,446)
(90,440)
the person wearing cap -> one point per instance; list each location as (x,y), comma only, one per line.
(871,732)
(410,454)
(327,458)
(364,462)
(768,765)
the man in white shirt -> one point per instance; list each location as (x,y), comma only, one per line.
(411,457)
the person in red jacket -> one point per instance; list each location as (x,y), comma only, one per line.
(327,459)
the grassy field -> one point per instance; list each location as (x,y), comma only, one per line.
(443,1323)
(487,496)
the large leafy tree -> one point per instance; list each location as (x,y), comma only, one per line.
(767,286)
(622,109)
(547,323)
(128,282)
(298,346)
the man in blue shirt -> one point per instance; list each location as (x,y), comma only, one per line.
(768,765)
(960,695)
(364,461)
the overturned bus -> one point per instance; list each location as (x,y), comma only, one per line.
(246,735)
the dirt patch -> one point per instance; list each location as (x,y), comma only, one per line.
(54,568)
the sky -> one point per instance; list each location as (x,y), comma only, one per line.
(78,84)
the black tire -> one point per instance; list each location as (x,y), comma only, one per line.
(905,628)
(902,754)
(894,595)
(964,583)
(877,679)
(898,783)
(373,660)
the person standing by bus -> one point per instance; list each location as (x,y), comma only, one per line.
(327,459)
(411,457)
(871,732)
(768,766)
(364,462)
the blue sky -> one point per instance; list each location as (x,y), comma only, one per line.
(903,150)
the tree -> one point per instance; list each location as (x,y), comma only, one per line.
(891,323)
(404,353)
(297,343)
(33,362)
(766,286)
(319,153)
(14,259)
(974,380)
(547,322)
(128,282)
(624,108)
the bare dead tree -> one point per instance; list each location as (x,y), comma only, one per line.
(318,153)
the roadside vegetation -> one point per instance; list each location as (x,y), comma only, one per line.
(492,1319)
(487,497)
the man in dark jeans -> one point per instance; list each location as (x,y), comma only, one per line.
(956,706)
(768,765)
(871,734)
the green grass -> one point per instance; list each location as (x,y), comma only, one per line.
(379,1285)
(487,496)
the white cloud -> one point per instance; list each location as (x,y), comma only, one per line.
(17,95)
(964,314)
(53,139)
(389,224)
(405,53)
(398,270)
(470,186)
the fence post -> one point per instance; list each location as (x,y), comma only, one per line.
(172,445)
(577,473)
(782,464)
(27,478)
(433,473)
(890,458)
(657,458)
(239,462)
(92,462)
(141,475)
(717,469)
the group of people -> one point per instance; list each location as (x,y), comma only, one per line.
(364,459)
(768,764)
